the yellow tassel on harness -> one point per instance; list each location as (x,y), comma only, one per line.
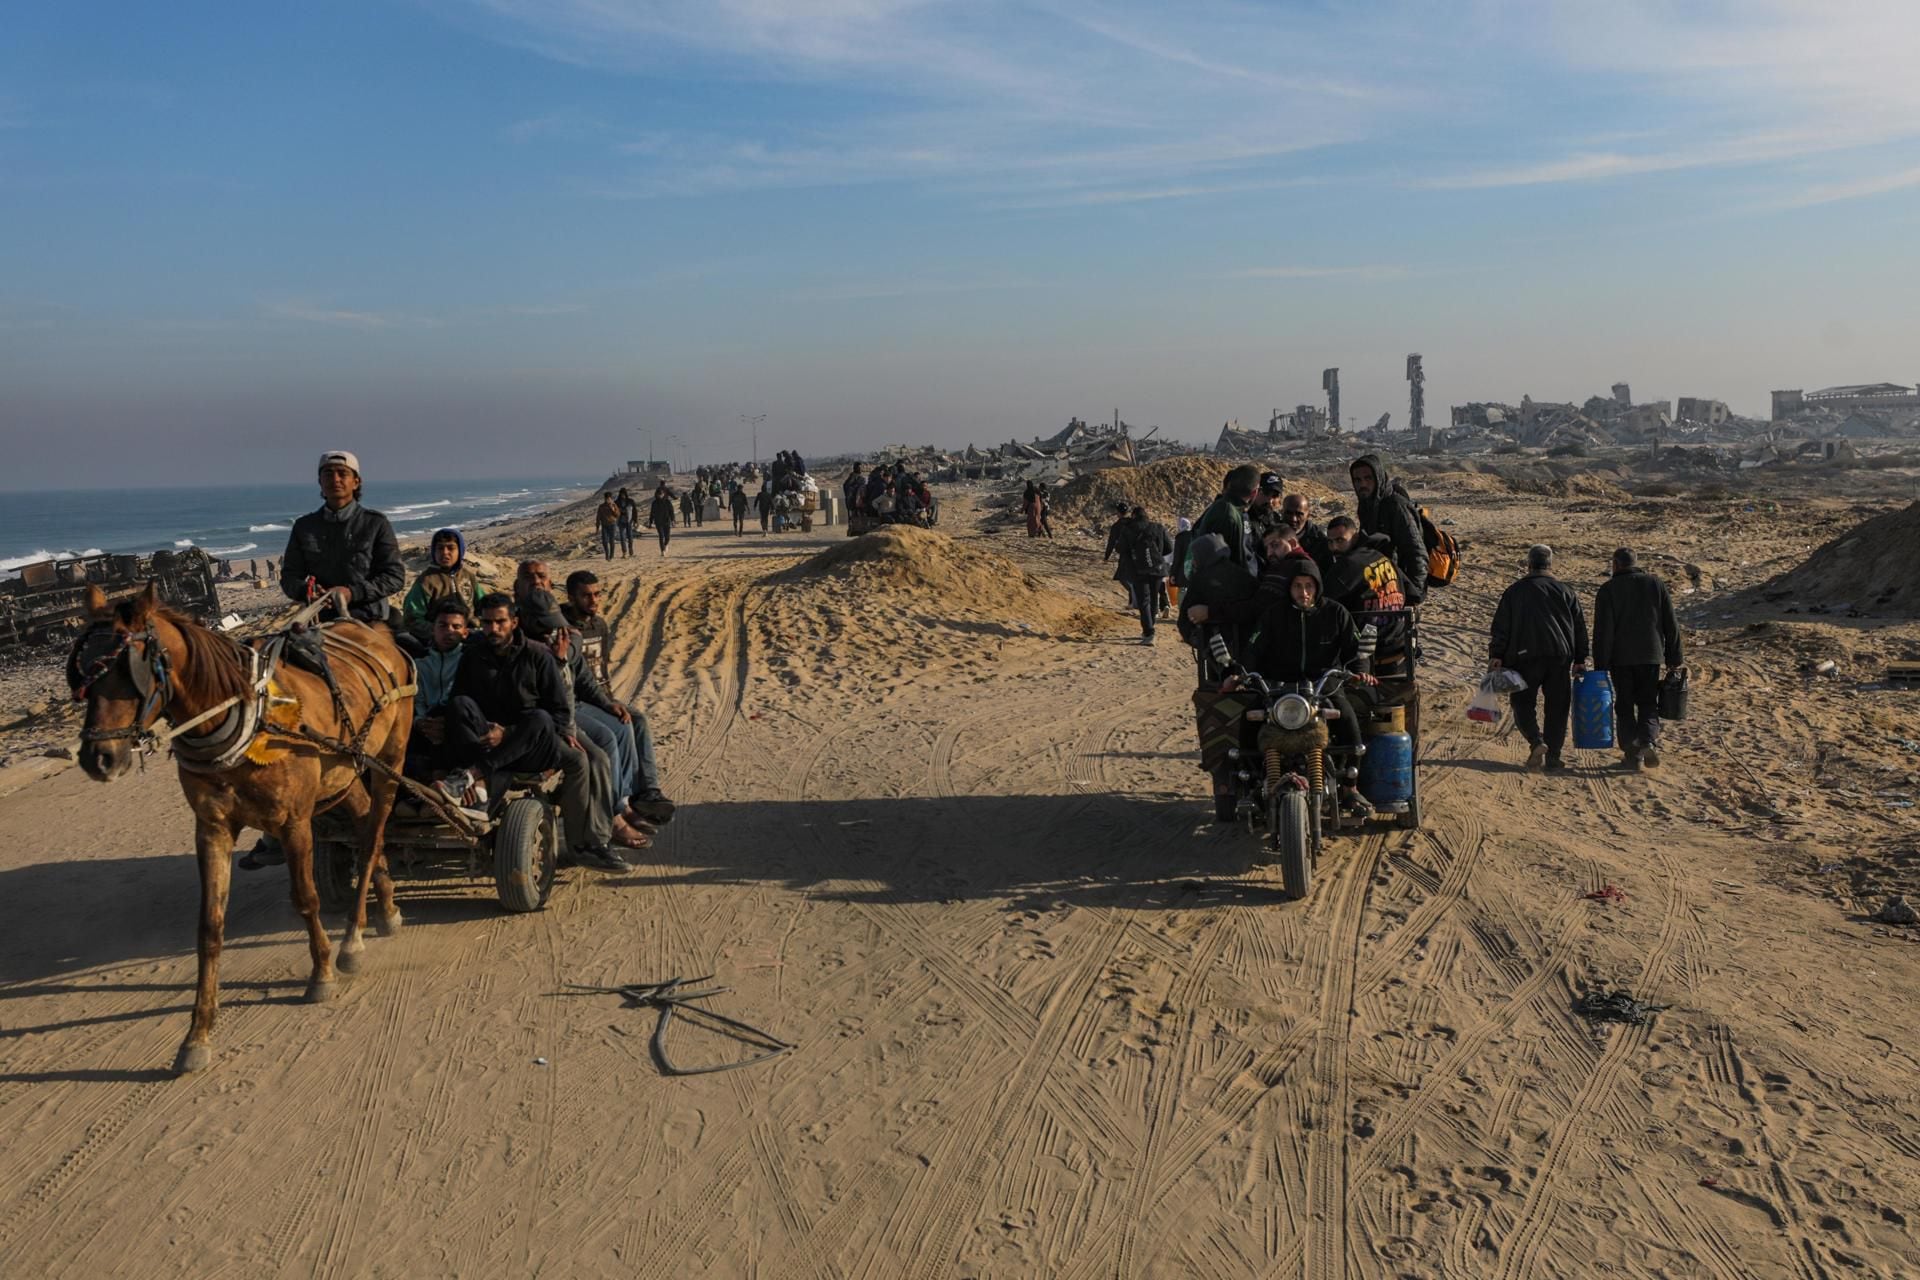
(283,712)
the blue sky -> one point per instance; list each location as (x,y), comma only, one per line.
(475,236)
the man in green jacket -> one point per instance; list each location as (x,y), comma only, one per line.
(1227,516)
(446,575)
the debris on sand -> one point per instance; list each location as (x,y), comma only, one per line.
(1897,910)
(1869,567)
(1601,1005)
(1171,488)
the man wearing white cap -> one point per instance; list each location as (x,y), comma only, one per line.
(343,547)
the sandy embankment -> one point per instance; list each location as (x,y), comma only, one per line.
(941,826)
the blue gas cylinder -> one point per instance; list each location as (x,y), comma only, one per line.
(1386,771)
(1593,711)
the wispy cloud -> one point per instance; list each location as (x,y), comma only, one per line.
(1372,271)
(375,321)
(884,290)
(1832,193)
(564,123)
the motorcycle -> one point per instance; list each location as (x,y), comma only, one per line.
(1290,782)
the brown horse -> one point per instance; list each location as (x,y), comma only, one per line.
(237,718)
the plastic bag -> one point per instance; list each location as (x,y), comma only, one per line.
(1488,703)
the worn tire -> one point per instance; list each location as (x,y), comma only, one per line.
(336,874)
(1292,843)
(526,852)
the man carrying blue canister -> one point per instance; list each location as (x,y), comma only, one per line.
(1540,632)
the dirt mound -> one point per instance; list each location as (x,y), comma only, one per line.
(907,567)
(1585,484)
(1868,568)
(1168,489)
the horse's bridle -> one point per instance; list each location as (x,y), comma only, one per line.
(147,668)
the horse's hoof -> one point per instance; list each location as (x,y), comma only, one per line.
(347,962)
(320,992)
(390,925)
(193,1057)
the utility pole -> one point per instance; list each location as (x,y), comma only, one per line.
(754,421)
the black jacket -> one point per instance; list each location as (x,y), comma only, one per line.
(1367,582)
(358,552)
(1144,547)
(1114,532)
(1182,542)
(660,514)
(507,685)
(1633,623)
(1313,541)
(1291,643)
(1391,512)
(1538,617)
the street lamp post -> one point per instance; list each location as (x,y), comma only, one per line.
(754,420)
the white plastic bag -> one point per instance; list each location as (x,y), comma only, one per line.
(1488,703)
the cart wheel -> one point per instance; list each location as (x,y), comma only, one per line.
(1296,856)
(525,854)
(336,874)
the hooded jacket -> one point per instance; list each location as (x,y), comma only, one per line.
(1226,590)
(1144,548)
(1538,619)
(435,584)
(1227,519)
(1291,643)
(1633,623)
(1391,512)
(660,512)
(435,673)
(353,547)
(1365,580)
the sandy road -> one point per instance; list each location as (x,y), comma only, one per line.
(1050,1022)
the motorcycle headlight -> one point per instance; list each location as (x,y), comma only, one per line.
(1292,712)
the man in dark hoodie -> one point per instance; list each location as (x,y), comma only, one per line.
(1227,516)
(1634,632)
(343,547)
(1217,601)
(1540,632)
(1121,574)
(1304,636)
(1144,548)
(1384,507)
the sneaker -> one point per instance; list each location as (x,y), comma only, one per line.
(455,786)
(652,807)
(1649,757)
(1537,758)
(1555,764)
(1630,759)
(1147,638)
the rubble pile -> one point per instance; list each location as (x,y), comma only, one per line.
(1867,570)
(1168,489)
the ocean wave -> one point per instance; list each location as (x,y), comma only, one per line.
(412,507)
(12,564)
(233,551)
(183,542)
(268,528)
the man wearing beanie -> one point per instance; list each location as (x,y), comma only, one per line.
(343,547)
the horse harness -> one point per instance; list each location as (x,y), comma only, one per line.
(241,721)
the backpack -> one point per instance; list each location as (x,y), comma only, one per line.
(1443,550)
(1142,553)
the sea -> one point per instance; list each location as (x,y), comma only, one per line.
(246,521)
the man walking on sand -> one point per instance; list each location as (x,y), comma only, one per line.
(606,520)
(1144,548)
(1634,632)
(660,515)
(1540,632)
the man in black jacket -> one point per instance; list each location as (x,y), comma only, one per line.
(1144,548)
(1218,600)
(343,547)
(1296,515)
(1634,632)
(1305,636)
(1384,507)
(1540,632)
(511,712)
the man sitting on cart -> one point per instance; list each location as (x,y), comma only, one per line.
(511,713)
(1365,579)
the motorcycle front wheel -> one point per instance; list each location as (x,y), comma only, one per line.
(1292,841)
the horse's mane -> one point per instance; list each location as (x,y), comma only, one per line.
(216,667)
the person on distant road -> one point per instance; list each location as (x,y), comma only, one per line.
(1634,633)
(1540,632)
(1144,548)
(343,547)
(660,515)
(737,502)
(629,518)
(606,522)
(763,505)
